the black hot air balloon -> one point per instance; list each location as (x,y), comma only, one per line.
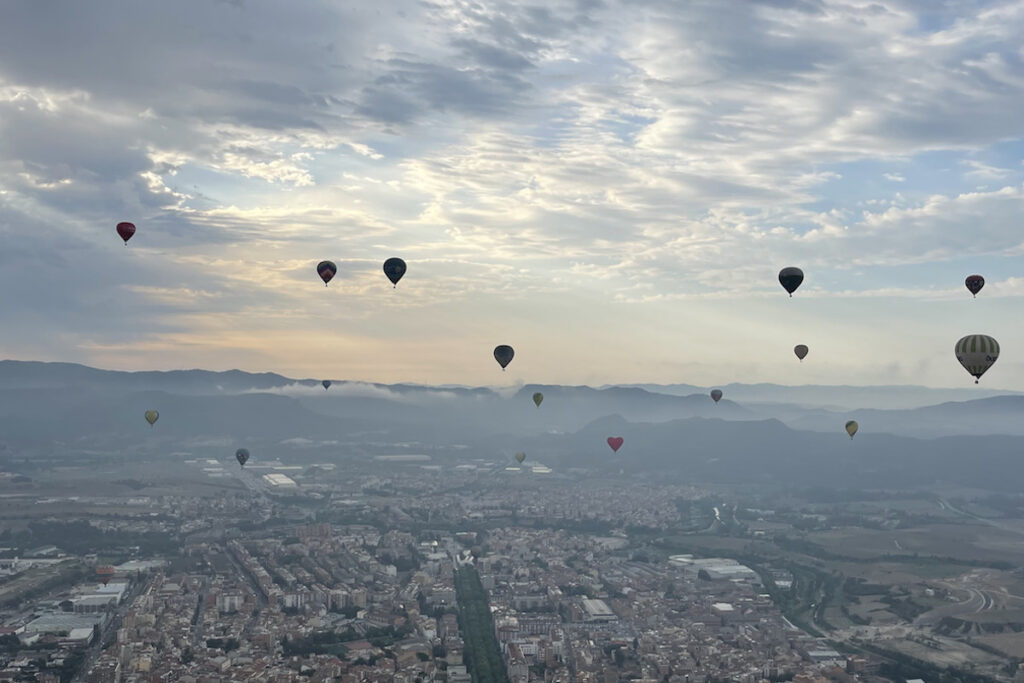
(126,230)
(503,354)
(242,456)
(394,268)
(801,351)
(974,283)
(790,278)
(716,395)
(327,384)
(326,270)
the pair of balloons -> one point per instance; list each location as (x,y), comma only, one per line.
(394,268)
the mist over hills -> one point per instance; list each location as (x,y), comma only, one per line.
(681,436)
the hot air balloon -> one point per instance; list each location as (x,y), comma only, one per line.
(126,230)
(801,351)
(394,268)
(790,278)
(538,398)
(327,384)
(615,442)
(105,574)
(152,416)
(974,283)
(326,270)
(503,354)
(716,395)
(851,428)
(977,353)
(242,456)
(475,551)
(520,457)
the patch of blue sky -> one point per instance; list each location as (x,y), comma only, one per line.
(869,184)
(627,126)
(210,187)
(934,16)
(551,132)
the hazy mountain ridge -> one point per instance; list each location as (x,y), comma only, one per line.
(750,452)
(64,400)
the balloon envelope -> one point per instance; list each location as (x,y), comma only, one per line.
(503,354)
(716,395)
(242,456)
(851,428)
(394,268)
(105,574)
(126,230)
(327,384)
(615,442)
(790,278)
(520,457)
(977,353)
(152,416)
(974,283)
(326,270)
(538,398)
(801,351)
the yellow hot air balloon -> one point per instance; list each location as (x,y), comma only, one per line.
(152,416)
(851,428)
(520,457)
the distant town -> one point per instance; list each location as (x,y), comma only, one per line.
(401,570)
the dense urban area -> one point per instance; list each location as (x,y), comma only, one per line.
(403,570)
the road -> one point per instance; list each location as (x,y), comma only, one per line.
(109,632)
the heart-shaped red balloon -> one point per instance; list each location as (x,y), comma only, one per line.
(615,442)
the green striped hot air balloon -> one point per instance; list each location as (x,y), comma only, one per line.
(977,353)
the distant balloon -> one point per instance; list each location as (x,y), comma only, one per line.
(394,268)
(327,384)
(503,354)
(790,278)
(615,442)
(105,574)
(475,551)
(716,395)
(801,351)
(851,428)
(126,230)
(242,456)
(538,398)
(152,416)
(326,270)
(974,284)
(977,353)
(520,457)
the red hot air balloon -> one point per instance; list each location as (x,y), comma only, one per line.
(105,574)
(974,283)
(126,230)
(615,442)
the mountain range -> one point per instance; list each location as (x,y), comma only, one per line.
(757,433)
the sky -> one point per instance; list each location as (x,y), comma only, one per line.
(609,186)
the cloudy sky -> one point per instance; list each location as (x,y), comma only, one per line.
(610,186)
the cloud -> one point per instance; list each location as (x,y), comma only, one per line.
(517,155)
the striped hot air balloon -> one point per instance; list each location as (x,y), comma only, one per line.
(977,353)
